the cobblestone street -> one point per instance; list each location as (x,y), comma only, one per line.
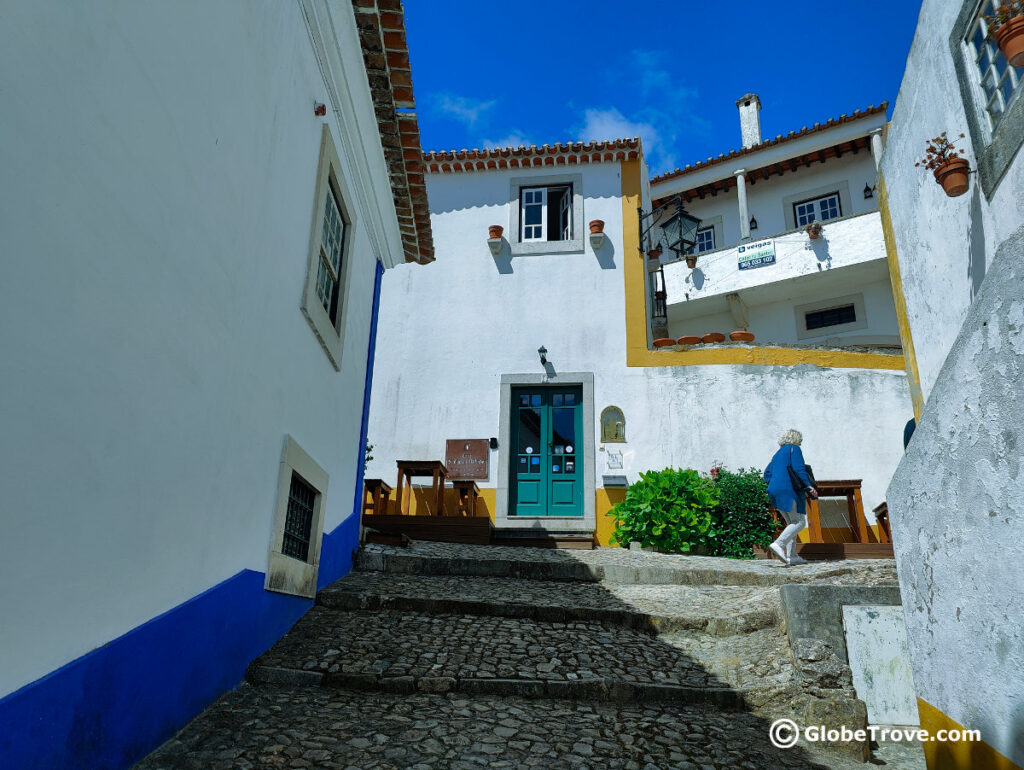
(517,657)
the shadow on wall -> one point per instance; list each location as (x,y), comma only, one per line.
(606,255)
(976,263)
(820,248)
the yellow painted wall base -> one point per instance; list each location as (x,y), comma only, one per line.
(606,500)
(961,755)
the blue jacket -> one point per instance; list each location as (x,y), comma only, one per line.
(780,487)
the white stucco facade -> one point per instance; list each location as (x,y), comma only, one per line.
(479,317)
(156,216)
(956,497)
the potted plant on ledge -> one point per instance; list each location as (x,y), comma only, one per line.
(1006,26)
(813,230)
(950,169)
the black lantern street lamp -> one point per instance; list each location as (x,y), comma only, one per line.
(679,228)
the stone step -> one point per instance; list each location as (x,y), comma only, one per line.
(610,565)
(716,610)
(405,651)
(282,726)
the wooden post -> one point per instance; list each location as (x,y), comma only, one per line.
(857,504)
(814,520)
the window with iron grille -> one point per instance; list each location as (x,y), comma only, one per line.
(298,523)
(817,209)
(833,316)
(1000,82)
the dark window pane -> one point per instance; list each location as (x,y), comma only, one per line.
(835,316)
(298,523)
(570,399)
(563,427)
(535,399)
(529,430)
(556,399)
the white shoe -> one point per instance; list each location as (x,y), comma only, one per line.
(794,559)
(779,552)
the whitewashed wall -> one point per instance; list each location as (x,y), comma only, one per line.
(155,215)
(438,367)
(956,498)
(945,244)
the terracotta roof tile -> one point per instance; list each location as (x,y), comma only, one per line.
(779,139)
(386,57)
(558,154)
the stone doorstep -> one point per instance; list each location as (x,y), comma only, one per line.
(412,564)
(598,690)
(731,625)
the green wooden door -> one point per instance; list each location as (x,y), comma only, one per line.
(547,460)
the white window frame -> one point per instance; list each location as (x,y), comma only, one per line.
(330,334)
(816,210)
(839,187)
(995,143)
(286,574)
(711,231)
(521,246)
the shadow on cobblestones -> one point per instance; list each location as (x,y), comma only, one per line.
(409,671)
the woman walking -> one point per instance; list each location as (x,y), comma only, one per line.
(784,495)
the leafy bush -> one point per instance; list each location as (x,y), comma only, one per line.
(742,517)
(669,509)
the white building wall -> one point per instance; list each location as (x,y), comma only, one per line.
(956,497)
(438,378)
(155,219)
(945,244)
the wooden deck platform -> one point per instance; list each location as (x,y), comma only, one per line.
(444,529)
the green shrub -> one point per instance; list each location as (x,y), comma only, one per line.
(669,509)
(742,518)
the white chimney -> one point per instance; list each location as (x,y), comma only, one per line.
(750,119)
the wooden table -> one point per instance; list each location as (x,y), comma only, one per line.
(850,489)
(466,495)
(376,497)
(407,469)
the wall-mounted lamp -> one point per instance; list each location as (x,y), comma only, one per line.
(494,443)
(868,192)
(753,223)
(543,353)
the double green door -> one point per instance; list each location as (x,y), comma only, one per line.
(547,459)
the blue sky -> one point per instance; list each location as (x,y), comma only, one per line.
(497,74)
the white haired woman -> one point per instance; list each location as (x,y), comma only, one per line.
(785,497)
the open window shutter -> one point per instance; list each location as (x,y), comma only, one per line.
(565,215)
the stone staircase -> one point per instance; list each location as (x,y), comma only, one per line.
(445,655)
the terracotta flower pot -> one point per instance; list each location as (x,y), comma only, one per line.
(688,340)
(952,175)
(1010,39)
(741,336)
(814,233)
(495,231)
(664,342)
(691,261)
(596,226)
(654,253)
(713,337)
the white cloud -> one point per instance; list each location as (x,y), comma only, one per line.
(605,124)
(463,109)
(514,138)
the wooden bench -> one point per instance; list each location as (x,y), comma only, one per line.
(376,497)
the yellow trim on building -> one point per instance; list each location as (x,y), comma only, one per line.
(638,352)
(956,755)
(906,338)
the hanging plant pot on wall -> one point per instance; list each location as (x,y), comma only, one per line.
(953,176)
(813,230)
(654,253)
(596,226)
(1009,36)
(691,261)
(495,231)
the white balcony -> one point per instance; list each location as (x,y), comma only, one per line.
(845,266)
